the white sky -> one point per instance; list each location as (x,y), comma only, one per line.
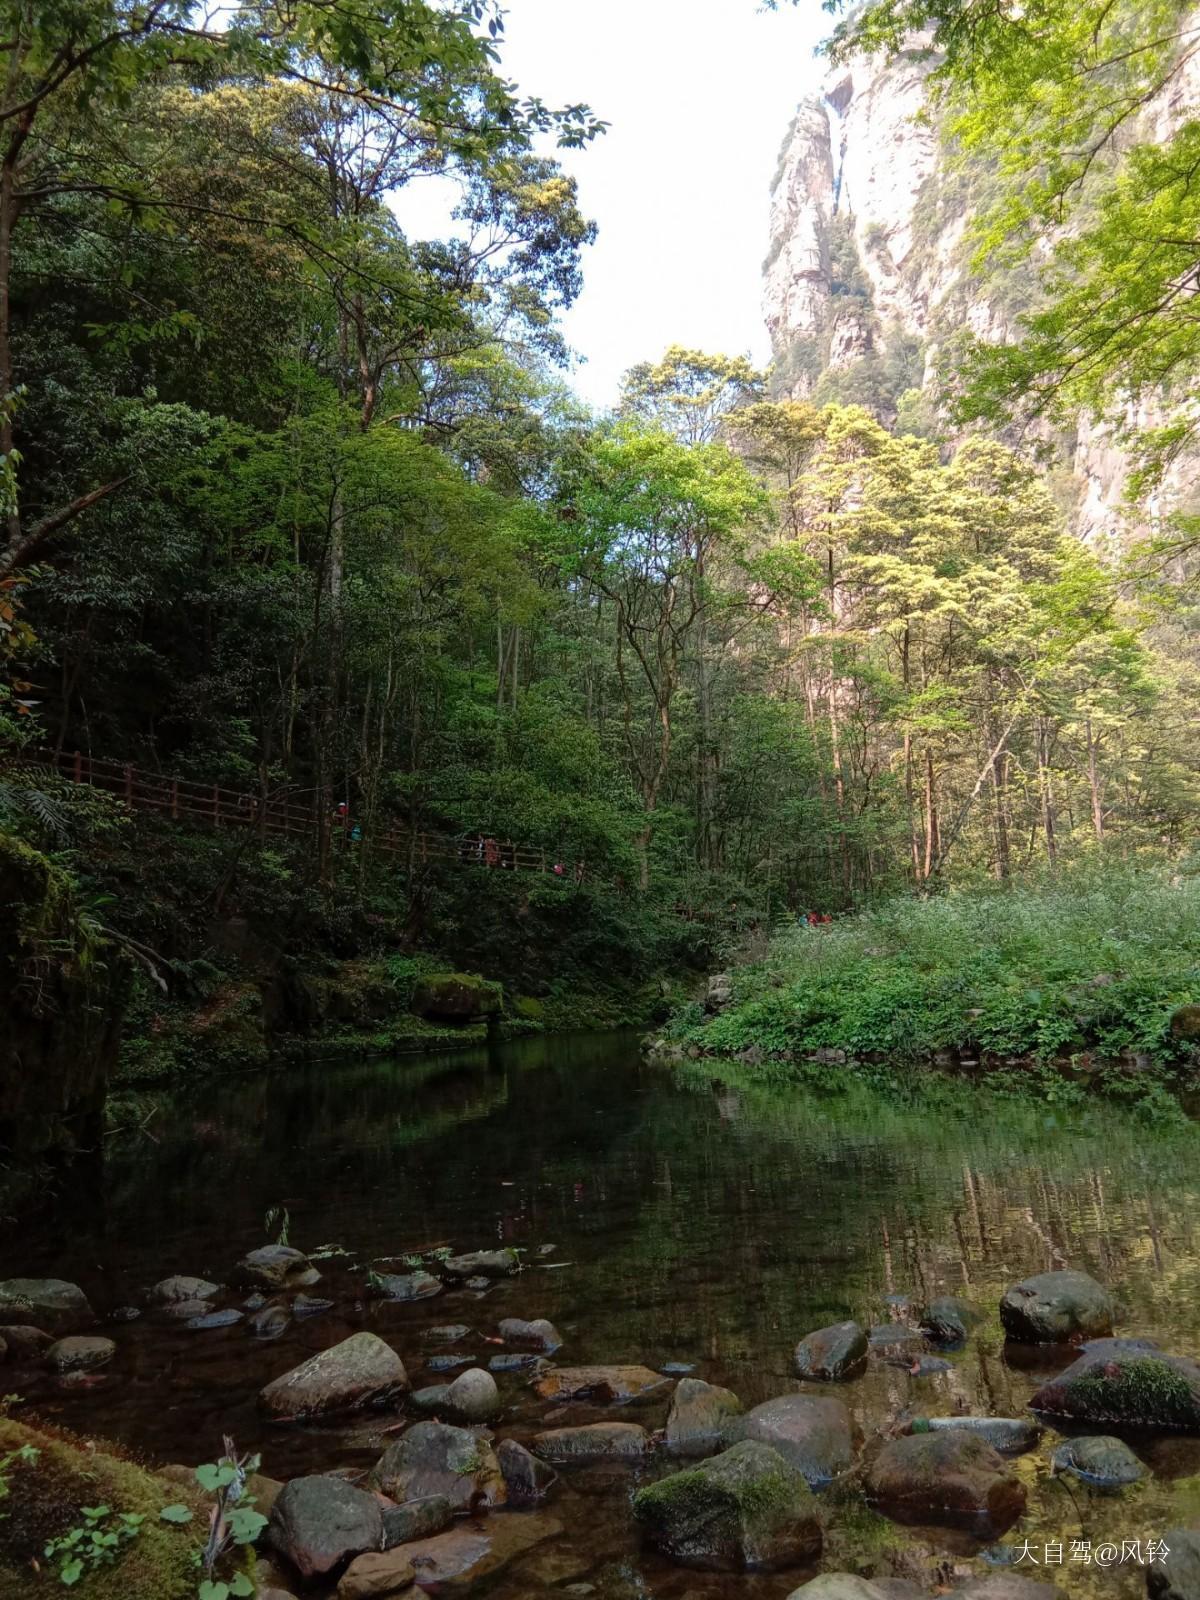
(699,94)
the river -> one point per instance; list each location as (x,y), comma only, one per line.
(696,1221)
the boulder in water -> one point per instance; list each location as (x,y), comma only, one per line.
(436,1458)
(455,997)
(527,1479)
(1122,1382)
(455,1563)
(812,1433)
(274,1266)
(361,1371)
(607,1385)
(416,1519)
(404,1285)
(1176,1576)
(1008,1436)
(949,1319)
(1100,1461)
(1056,1308)
(954,1478)
(745,1510)
(891,1339)
(484,1264)
(536,1335)
(594,1441)
(50,1302)
(473,1396)
(215,1319)
(22,1342)
(80,1353)
(180,1287)
(699,1414)
(318,1523)
(832,1354)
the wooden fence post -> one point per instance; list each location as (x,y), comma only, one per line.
(129,785)
(78,773)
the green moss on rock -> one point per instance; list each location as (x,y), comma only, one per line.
(45,1500)
(456,997)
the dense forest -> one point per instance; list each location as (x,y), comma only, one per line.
(302,509)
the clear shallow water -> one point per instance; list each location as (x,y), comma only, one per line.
(695,1221)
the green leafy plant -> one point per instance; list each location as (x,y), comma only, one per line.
(24,1455)
(96,1542)
(233,1523)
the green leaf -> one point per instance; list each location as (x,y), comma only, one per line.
(175,1513)
(245,1525)
(71,1572)
(211,1590)
(241,1584)
(214,1475)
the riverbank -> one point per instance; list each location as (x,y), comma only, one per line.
(1050,990)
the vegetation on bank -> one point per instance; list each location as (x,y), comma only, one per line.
(1047,988)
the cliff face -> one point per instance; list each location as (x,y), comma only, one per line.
(866,276)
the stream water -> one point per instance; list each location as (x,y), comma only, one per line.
(694,1221)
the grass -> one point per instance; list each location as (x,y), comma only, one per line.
(1087,969)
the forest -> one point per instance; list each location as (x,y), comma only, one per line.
(303,511)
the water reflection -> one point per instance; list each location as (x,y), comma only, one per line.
(709,1222)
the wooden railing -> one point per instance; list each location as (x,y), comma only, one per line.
(291,811)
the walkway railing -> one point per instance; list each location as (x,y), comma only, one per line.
(288,811)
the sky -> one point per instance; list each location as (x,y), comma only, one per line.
(699,94)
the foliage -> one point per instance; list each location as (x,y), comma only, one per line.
(98,1541)
(1086,967)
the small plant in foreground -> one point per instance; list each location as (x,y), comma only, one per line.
(96,1542)
(233,1523)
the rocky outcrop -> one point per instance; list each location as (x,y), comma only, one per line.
(867,281)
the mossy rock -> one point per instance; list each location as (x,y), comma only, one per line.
(44,1502)
(1124,1383)
(529,1009)
(456,997)
(745,1510)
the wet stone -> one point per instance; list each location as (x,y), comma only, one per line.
(536,1335)
(592,1442)
(214,1319)
(1100,1461)
(1176,1576)
(405,1286)
(745,1510)
(518,1361)
(447,1333)
(949,1319)
(270,1321)
(448,1363)
(473,1396)
(699,1413)
(49,1302)
(452,1563)
(307,1305)
(180,1287)
(319,1522)
(482,1264)
(437,1458)
(360,1371)
(1056,1308)
(890,1339)
(274,1266)
(812,1433)
(527,1479)
(1122,1382)
(1009,1436)
(416,1519)
(80,1353)
(953,1478)
(604,1385)
(832,1354)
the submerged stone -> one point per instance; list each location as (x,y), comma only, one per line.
(527,1479)
(405,1285)
(594,1441)
(483,1264)
(179,1287)
(606,1385)
(699,1414)
(1009,1436)
(745,1510)
(953,1477)
(813,1433)
(80,1353)
(214,1319)
(832,1354)
(274,1266)
(416,1519)
(949,1319)
(1100,1461)
(1056,1308)
(537,1335)
(453,1563)
(50,1302)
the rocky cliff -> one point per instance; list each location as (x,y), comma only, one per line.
(867,279)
